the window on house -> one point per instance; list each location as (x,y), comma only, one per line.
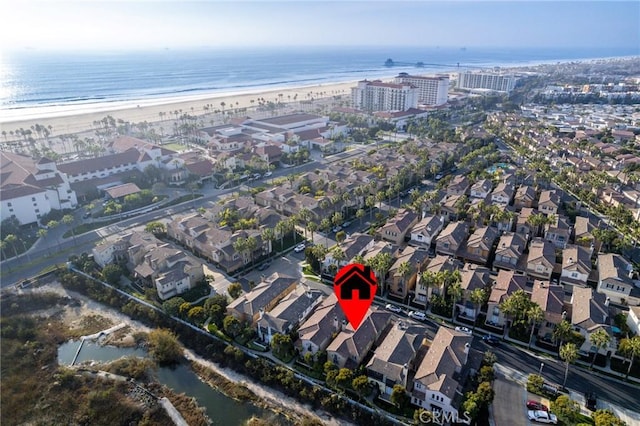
(9,204)
(574,275)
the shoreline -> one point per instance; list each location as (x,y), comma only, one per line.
(79,117)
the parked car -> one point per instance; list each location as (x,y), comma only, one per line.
(257,176)
(264,265)
(464,330)
(491,340)
(393,308)
(346,224)
(438,177)
(590,401)
(337,229)
(267,174)
(542,417)
(536,406)
(300,247)
(417,315)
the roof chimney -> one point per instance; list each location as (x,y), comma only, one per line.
(606,302)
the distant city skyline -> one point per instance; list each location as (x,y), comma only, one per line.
(123,25)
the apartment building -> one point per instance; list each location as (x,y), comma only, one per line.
(432,90)
(378,96)
(488,81)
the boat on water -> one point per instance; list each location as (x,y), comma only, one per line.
(389,62)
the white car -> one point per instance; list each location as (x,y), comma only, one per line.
(267,174)
(393,308)
(417,315)
(464,330)
(300,247)
(542,417)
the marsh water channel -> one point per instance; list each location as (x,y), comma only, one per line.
(221,409)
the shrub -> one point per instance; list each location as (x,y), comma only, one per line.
(534,384)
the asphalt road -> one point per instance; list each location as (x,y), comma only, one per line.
(509,403)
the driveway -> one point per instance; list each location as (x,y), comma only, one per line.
(509,402)
(287,265)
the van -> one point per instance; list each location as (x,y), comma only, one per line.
(417,315)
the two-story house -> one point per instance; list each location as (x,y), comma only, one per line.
(435,384)
(316,332)
(451,238)
(397,228)
(589,313)
(481,189)
(393,359)
(479,245)
(264,297)
(525,197)
(558,231)
(350,346)
(551,299)
(541,259)
(549,202)
(510,253)
(523,227)
(502,194)
(424,232)
(355,244)
(507,283)
(576,266)
(472,277)
(459,185)
(288,313)
(404,271)
(424,289)
(614,279)
(583,233)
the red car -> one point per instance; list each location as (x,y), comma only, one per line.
(536,406)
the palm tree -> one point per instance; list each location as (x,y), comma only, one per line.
(338,255)
(240,246)
(312,227)
(68,219)
(600,339)
(455,293)
(405,269)
(535,315)
(281,229)
(268,234)
(325,226)
(252,245)
(381,263)
(478,297)
(563,331)
(630,347)
(569,354)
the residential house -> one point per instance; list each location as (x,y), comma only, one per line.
(350,346)
(459,185)
(440,263)
(525,197)
(450,206)
(551,299)
(541,259)
(264,297)
(355,244)
(481,189)
(436,382)
(507,283)
(589,313)
(403,284)
(289,313)
(510,253)
(583,233)
(397,227)
(502,194)
(615,279)
(394,358)
(424,232)
(479,246)
(549,202)
(576,266)
(633,319)
(452,238)
(316,332)
(559,231)
(522,223)
(472,277)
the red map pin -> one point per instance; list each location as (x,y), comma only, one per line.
(355,287)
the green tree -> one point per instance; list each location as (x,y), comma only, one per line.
(232,326)
(606,418)
(361,385)
(455,293)
(485,394)
(600,339)
(344,377)
(630,348)
(196,314)
(562,332)
(68,219)
(184,309)
(12,239)
(485,374)
(399,397)
(535,315)
(479,297)
(340,236)
(566,409)
(111,273)
(172,306)
(282,345)
(516,305)
(156,228)
(164,346)
(234,290)
(569,354)
(534,383)
(471,405)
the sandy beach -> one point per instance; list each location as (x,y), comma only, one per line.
(79,118)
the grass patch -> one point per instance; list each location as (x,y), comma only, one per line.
(621,366)
(215,331)
(86,227)
(252,345)
(175,146)
(286,359)
(196,293)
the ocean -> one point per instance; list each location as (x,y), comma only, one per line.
(30,79)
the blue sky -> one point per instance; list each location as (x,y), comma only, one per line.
(53,24)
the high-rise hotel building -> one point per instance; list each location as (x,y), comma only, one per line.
(489,81)
(432,90)
(378,96)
